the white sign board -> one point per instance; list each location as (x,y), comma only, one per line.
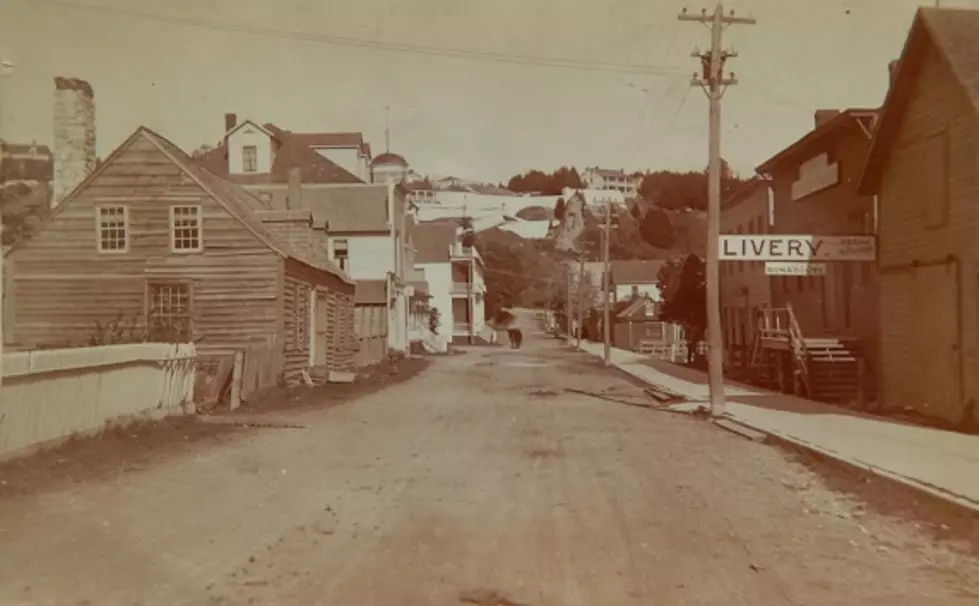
(815,174)
(783,268)
(779,247)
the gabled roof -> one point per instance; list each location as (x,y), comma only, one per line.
(955,35)
(247,122)
(239,203)
(635,272)
(636,305)
(434,240)
(295,150)
(353,208)
(821,135)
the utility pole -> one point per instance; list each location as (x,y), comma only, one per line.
(581,299)
(606,281)
(6,68)
(567,307)
(714,84)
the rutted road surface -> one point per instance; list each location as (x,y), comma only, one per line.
(478,476)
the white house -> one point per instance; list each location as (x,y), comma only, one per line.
(455,276)
(369,234)
(607,179)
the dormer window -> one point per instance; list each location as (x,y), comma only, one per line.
(249,159)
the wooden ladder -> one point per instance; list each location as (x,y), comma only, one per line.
(800,352)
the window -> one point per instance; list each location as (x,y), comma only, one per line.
(168,312)
(185,228)
(340,254)
(113,229)
(249,159)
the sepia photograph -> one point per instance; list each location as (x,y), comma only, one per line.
(489,302)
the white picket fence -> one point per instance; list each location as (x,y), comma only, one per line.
(48,396)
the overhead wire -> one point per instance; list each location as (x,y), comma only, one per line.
(459,53)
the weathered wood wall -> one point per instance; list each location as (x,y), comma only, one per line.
(61,285)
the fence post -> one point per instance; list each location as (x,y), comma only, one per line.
(236,381)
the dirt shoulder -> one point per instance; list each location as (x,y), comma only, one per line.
(122,450)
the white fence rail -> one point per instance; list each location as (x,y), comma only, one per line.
(48,396)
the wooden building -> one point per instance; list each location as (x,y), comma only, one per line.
(924,168)
(745,289)
(175,253)
(823,329)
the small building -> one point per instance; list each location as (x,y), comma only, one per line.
(923,165)
(745,289)
(631,279)
(151,246)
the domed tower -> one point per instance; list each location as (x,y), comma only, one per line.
(389,168)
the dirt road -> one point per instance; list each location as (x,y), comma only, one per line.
(478,476)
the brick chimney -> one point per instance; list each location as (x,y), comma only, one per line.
(230,121)
(825,115)
(74,135)
(294,198)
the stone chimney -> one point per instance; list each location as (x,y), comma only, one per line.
(892,72)
(230,121)
(294,227)
(74,135)
(825,115)
(294,198)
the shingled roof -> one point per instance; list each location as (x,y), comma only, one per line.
(954,33)
(354,208)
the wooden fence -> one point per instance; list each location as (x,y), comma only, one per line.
(371,322)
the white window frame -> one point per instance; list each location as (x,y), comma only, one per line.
(173,229)
(99,226)
(342,260)
(244,155)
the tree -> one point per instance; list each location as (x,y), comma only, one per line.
(559,208)
(657,229)
(684,288)
(548,184)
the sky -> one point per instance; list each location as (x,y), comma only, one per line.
(479,89)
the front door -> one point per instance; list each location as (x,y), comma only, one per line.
(321,328)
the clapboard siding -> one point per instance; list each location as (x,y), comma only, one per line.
(937,106)
(62,286)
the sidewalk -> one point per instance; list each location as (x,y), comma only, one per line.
(945,464)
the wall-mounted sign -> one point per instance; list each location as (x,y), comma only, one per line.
(778,247)
(815,174)
(789,268)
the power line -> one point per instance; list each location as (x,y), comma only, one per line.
(373,44)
